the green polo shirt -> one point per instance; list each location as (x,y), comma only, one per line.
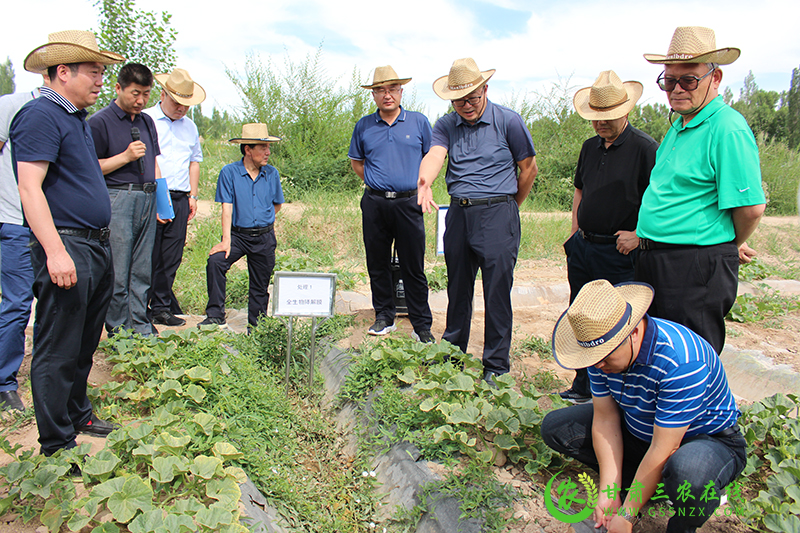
(703,170)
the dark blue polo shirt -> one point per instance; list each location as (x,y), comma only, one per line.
(482,157)
(111,128)
(391,154)
(44,130)
(252,199)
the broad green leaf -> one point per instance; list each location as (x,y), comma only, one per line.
(78,521)
(103,463)
(529,417)
(213,517)
(170,388)
(485,456)
(460,382)
(179,523)
(166,442)
(173,373)
(792,466)
(407,376)
(162,417)
(497,419)
(40,484)
(789,524)
(793,491)
(236,473)
(141,394)
(189,505)
(53,514)
(141,431)
(136,495)
(199,373)
(164,468)
(107,488)
(226,451)
(15,471)
(147,522)
(205,467)
(464,415)
(224,368)
(90,505)
(196,393)
(442,433)
(143,450)
(107,527)
(207,422)
(225,490)
(506,442)
(428,404)
(235,527)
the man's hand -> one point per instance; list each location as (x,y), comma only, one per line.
(425,198)
(221,247)
(62,269)
(162,220)
(192,208)
(627,241)
(605,510)
(135,150)
(618,524)
(746,254)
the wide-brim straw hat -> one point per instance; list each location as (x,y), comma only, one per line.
(255,134)
(181,87)
(464,77)
(67,47)
(608,98)
(385,76)
(598,321)
(694,44)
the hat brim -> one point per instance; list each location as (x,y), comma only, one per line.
(198,93)
(721,56)
(581,103)
(64,53)
(398,81)
(569,354)
(443,91)
(270,139)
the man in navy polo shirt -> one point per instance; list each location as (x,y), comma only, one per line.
(490,171)
(250,193)
(126,142)
(385,151)
(663,421)
(65,203)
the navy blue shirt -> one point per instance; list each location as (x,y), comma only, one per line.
(53,130)
(482,157)
(677,380)
(391,153)
(111,128)
(252,199)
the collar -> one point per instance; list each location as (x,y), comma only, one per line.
(243,170)
(487,112)
(119,112)
(59,99)
(400,118)
(647,350)
(619,140)
(704,114)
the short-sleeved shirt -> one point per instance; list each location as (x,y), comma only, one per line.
(179,144)
(482,157)
(111,129)
(677,380)
(253,200)
(703,170)
(613,180)
(51,129)
(391,153)
(10,208)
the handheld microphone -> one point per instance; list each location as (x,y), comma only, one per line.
(135,136)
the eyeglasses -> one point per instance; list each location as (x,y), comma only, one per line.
(391,90)
(473,101)
(687,83)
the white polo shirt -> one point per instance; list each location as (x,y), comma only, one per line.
(180,145)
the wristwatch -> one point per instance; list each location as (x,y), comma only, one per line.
(193,197)
(632,518)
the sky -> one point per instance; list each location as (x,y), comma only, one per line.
(532,44)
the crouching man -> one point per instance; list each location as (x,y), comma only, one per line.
(663,419)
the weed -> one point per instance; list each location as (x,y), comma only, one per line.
(769,304)
(546,381)
(437,278)
(754,270)
(533,345)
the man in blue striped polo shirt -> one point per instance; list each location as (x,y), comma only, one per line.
(663,418)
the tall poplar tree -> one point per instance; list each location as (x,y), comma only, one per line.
(7,85)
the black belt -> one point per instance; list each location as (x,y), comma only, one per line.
(144,187)
(647,244)
(94,234)
(596,238)
(252,232)
(179,194)
(727,432)
(391,194)
(467,202)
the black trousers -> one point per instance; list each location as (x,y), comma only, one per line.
(260,253)
(68,327)
(485,237)
(588,261)
(167,256)
(397,220)
(694,286)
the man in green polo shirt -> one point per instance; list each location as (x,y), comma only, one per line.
(705,197)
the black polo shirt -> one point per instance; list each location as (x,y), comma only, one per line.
(111,130)
(613,181)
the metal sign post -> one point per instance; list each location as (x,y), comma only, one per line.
(303,294)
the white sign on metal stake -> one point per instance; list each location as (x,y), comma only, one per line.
(440,227)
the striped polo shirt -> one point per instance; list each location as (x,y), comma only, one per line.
(677,380)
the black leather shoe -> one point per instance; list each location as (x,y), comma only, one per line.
(9,400)
(488,377)
(167,319)
(97,427)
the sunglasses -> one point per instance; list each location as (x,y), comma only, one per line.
(687,83)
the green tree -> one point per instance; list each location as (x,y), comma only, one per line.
(7,85)
(653,119)
(762,109)
(144,37)
(793,111)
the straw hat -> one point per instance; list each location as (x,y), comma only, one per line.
(66,47)
(386,76)
(255,134)
(598,321)
(608,98)
(181,87)
(695,44)
(464,77)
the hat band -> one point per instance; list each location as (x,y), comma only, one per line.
(465,85)
(176,93)
(610,335)
(598,108)
(683,56)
